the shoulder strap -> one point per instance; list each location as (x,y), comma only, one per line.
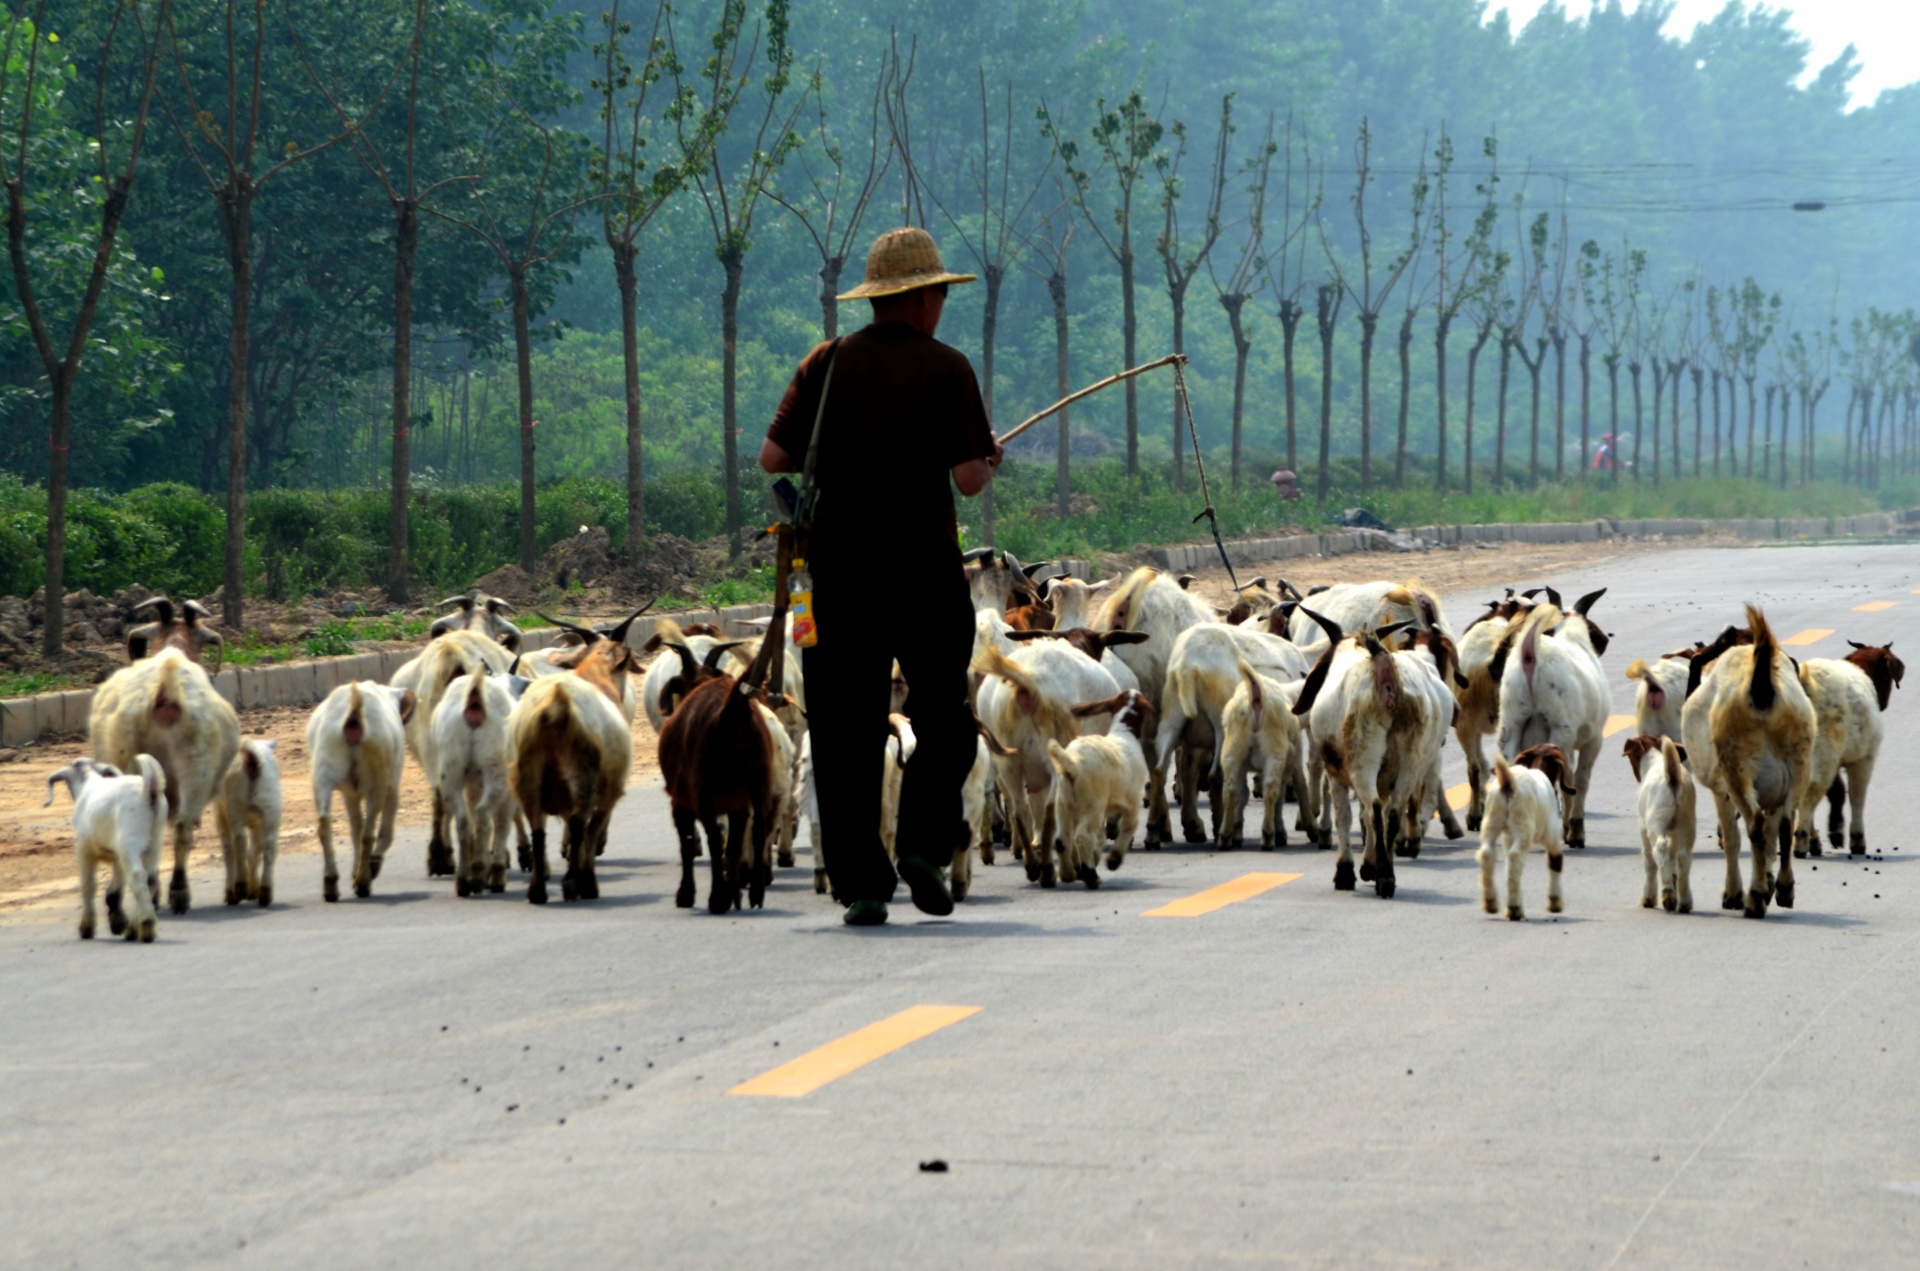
(804,513)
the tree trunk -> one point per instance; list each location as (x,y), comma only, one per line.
(53,630)
(1241,348)
(733,261)
(829,293)
(1673,410)
(1766,446)
(1178,297)
(523,370)
(1846,431)
(1466,431)
(1716,423)
(1659,400)
(1440,328)
(1586,404)
(1369,322)
(1290,315)
(1559,407)
(989,324)
(1753,408)
(1325,314)
(237,213)
(1128,332)
(1057,289)
(1699,417)
(1534,368)
(1406,391)
(1639,426)
(1613,416)
(406,242)
(627,275)
(1500,415)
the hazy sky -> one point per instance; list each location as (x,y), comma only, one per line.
(1885,33)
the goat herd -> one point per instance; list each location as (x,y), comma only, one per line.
(1087,695)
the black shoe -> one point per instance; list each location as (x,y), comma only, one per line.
(929,886)
(865,913)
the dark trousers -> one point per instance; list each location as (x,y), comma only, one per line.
(849,686)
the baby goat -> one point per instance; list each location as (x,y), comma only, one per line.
(1101,779)
(119,820)
(247,814)
(1666,807)
(1523,810)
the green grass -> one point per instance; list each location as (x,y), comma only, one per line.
(755,588)
(16,685)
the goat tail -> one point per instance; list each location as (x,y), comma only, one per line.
(1766,652)
(1503,773)
(1187,692)
(1638,670)
(1670,758)
(990,661)
(153,780)
(1256,691)
(1122,610)
(555,714)
(1061,760)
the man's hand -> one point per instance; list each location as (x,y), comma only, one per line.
(972,476)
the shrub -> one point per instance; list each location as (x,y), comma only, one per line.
(691,502)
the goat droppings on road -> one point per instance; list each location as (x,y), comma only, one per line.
(935,1166)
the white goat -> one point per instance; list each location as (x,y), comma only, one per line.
(899,752)
(1848,695)
(1554,692)
(1072,600)
(1100,780)
(356,741)
(1157,605)
(247,815)
(1026,702)
(449,656)
(472,753)
(165,706)
(117,821)
(1523,812)
(1258,725)
(1665,804)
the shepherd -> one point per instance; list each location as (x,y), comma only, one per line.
(889,414)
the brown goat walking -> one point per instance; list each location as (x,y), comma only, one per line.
(715,758)
(180,631)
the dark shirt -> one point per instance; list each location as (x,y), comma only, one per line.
(902,412)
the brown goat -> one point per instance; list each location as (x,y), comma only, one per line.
(1882,667)
(182,631)
(716,760)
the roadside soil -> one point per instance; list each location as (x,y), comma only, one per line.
(36,841)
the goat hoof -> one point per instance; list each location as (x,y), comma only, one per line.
(1367,872)
(231,896)
(330,889)
(1489,904)
(1731,900)
(1473,823)
(116,923)
(1114,861)
(526,860)
(569,889)
(719,900)
(1047,877)
(986,853)
(600,850)
(439,860)
(497,879)
(1343,876)
(1646,902)
(1857,845)
(1516,914)
(265,898)
(1090,876)
(757,896)
(363,890)
(1453,831)
(1033,872)
(373,866)
(1383,887)
(1835,837)
(146,931)
(1756,906)
(785,861)
(819,885)
(1783,895)
(1195,833)
(1814,848)
(86,931)
(460,886)
(683,899)
(1799,853)
(1556,905)
(959,889)
(537,894)
(1686,907)
(590,888)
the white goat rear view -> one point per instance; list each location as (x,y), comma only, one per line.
(117,821)
(247,815)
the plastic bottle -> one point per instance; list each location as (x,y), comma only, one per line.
(800,606)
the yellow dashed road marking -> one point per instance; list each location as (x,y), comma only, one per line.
(857,1049)
(1812,635)
(1460,796)
(1875,606)
(1617,724)
(1205,902)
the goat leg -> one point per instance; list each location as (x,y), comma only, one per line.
(537,849)
(687,828)
(439,851)
(178,893)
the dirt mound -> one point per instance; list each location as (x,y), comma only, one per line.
(509,582)
(583,558)
(670,566)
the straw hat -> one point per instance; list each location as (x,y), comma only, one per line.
(903,260)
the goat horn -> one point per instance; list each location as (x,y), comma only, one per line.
(465,602)
(712,660)
(587,634)
(495,604)
(1328,625)
(160,603)
(194,610)
(973,554)
(619,633)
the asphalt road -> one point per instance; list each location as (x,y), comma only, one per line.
(1299,1077)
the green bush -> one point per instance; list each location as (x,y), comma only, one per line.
(691,502)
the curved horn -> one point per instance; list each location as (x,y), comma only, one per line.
(1288,591)
(195,611)
(1383,634)
(496,603)
(1334,634)
(973,554)
(587,634)
(159,604)
(465,602)
(619,633)
(712,660)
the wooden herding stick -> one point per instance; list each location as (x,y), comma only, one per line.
(1170,359)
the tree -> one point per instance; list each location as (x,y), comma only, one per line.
(996,242)
(54,156)
(634,186)
(226,154)
(530,179)
(1456,280)
(1125,140)
(1051,243)
(1287,277)
(1369,300)
(732,181)
(1234,290)
(1533,270)
(1610,287)
(1180,265)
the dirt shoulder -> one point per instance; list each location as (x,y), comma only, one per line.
(36,842)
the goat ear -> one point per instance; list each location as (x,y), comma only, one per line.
(271,743)
(1024,636)
(1383,634)
(1185,581)
(1102,585)
(137,642)
(1106,707)
(517,685)
(1110,638)
(406,702)
(69,775)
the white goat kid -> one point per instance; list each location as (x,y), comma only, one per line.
(1100,780)
(1259,727)
(118,821)
(247,815)
(1665,804)
(1523,812)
